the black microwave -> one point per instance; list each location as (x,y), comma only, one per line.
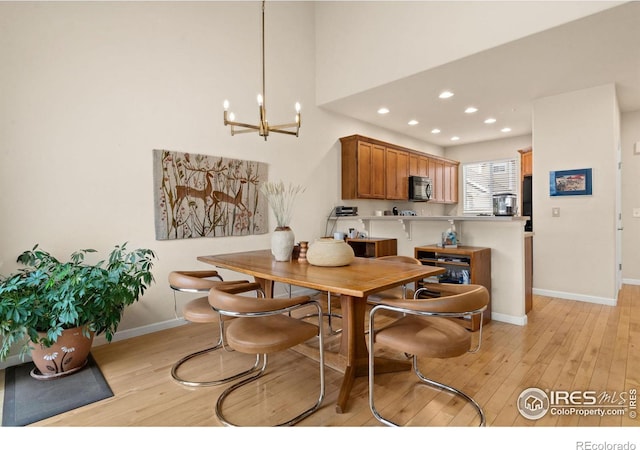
(419,189)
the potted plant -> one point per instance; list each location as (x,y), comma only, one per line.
(50,300)
(281,199)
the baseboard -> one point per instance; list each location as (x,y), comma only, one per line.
(630,281)
(140,331)
(578,297)
(513,320)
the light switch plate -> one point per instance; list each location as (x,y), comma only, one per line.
(555,212)
(636,212)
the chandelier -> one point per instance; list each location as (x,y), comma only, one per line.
(263,127)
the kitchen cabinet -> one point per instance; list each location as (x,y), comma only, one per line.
(526,186)
(418,165)
(444,178)
(373,247)
(436,173)
(363,169)
(397,174)
(526,162)
(475,260)
(373,169)
(450,183)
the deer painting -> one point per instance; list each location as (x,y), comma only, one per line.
(208,196)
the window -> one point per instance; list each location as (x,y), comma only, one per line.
(483,179)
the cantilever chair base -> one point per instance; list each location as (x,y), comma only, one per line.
(192,383)
(238,385)
(199,311)
(430,383)
(262,327)
(424,330)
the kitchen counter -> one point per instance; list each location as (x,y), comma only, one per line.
(440,218)
(505,235)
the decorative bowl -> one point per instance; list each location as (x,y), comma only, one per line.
(329,252)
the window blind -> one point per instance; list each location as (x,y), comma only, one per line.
(483,179)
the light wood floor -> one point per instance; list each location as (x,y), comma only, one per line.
(567,345)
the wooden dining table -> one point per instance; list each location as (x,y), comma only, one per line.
(353,282)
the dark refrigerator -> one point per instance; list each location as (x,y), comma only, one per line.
(527,202)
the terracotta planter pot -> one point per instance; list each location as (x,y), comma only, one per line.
(66,356)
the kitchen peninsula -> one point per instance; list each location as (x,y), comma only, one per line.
(505,236)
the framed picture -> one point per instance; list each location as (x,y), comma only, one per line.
(570,182)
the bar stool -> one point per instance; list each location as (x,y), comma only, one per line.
(199,311)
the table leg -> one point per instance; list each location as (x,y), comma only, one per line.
(353,347)
(267,286)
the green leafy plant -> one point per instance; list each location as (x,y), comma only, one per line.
(49,295)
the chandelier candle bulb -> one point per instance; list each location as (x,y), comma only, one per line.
(263,128)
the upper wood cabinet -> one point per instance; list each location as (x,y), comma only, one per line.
(526,162)
(378,170)
(363,169)
(418,165)
(450,182)
(397,174)
(436,173)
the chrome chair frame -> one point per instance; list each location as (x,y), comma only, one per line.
(234,387)
(416,370)
(330,315)
(220,344)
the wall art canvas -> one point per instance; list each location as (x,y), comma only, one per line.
(207,196)
(570,182)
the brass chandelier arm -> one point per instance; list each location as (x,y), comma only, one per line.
(263,128)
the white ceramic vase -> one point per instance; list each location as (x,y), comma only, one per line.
(282,241)
(330,252)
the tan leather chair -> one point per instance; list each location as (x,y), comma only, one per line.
(263,326)
(426,330)
(199,311)
(396,292)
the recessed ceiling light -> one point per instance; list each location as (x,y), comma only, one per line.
(383,110)
(435,131)
(455,138)
(471,110)
(413,122)
(506,130)
(490,120)
(446,94)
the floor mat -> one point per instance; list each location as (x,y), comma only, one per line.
(27,400)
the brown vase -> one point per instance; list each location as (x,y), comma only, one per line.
(66,356)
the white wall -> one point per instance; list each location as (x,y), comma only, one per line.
(89,89)
(486,151)
(630,197)
(438,31)
(574,254)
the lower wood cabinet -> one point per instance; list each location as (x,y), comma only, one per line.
(476,261)
(373,247)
